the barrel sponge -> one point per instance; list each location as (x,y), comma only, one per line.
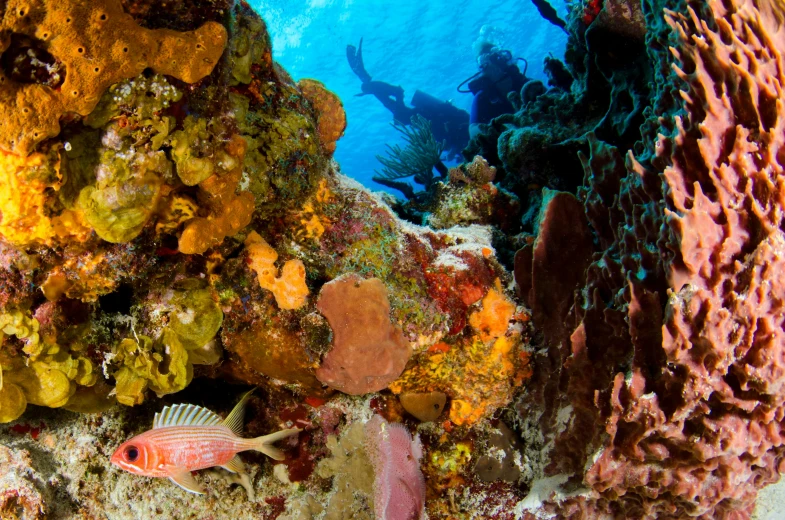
(97,44)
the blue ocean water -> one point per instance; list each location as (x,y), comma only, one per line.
(417,44)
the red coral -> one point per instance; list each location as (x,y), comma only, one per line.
(591,9)
(454,290)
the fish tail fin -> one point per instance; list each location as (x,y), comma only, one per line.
(264,443)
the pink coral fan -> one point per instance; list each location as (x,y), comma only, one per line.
(399,486)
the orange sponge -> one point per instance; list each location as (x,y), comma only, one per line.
(289,288)
(97,44)
(330,114)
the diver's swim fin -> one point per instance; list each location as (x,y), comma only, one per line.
(355,57)
(549,13)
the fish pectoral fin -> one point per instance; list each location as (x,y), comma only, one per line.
(235,465)
(183,478)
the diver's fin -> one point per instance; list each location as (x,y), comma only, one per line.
(235,465)
(183,478)
(234,421)
(263,443)
(355,57)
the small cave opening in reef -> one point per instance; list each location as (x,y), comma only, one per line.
(26,60)
(118,301)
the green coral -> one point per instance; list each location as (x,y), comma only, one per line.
(198,153)
(125,194)
(49,376)
(248,46)
(161,365)
(142,98)
(195,317)
(281,160)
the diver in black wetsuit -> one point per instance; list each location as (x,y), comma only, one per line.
(448,123)
(498,76)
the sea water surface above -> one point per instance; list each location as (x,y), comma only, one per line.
(425,45)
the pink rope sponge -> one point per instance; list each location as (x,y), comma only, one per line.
(399,486)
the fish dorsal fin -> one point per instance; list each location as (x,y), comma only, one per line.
(234,421)
(185,415)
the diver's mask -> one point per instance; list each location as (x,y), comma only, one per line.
(496,57)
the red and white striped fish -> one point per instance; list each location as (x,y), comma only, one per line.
(187,437)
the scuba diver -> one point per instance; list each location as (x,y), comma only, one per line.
(498,76)
(448,123)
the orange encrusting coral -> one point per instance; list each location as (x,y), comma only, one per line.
(479,372)
(330,114)
(24,201)
(289,288)
(314,223)
(98,44)
(230,212)
(494,317)
(84,277)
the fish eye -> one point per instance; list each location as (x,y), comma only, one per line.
(131,453)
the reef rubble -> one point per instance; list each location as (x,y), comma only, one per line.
(590,326)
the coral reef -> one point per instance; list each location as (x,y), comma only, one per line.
(331,119)
(94,46)
(289,288)
(179,227)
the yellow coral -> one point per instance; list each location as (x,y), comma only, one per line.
(178,209)
(229,213)
(479,372)
(98,44)
(42,385)
(313,223)
(161,365)
(25,204)
(289,288)
(195,316)
(454,459)
(12,401)
(48,377)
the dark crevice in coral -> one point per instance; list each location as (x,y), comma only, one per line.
(119,301)
(767,108)
(179,15)
(26,60)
